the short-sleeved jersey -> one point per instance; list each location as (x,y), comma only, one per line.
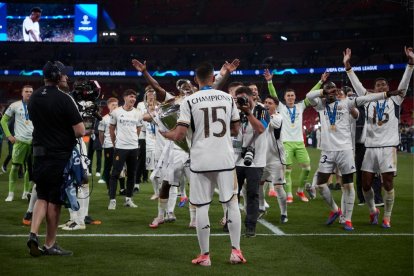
(292,132)
(384,132)
(126,124)
(208,114)
(23,127)
(339,138)
(53,114)
(28,25)
(275,149)
(104,127)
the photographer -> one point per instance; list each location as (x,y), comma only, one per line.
(57,123)
(252,158)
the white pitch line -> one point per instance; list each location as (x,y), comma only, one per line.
(214,235)
(275,230)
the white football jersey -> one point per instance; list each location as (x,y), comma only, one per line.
(104,126)
(338,138)
(150,130)
(208,114)
(141,107)
(382,117)
(275,149)
(292,132)
(23,127)
(28,25)
(126,123)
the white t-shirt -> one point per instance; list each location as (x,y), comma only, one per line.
(126,123)
(208,114)
(292,132)
(386,132)
(104,126)
(259,144)
(28,25)
(23,127)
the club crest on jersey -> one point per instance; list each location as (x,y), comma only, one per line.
(117,158)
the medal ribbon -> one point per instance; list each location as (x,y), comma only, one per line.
(26,113)
(332,115)
(292,114)
(380,109)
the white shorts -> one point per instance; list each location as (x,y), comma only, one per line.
(177,165)
(344,160)
(202,186)
(150,161)
(380,160)
(274,172)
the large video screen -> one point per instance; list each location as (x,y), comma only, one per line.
(49,22)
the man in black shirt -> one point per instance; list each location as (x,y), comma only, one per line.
(57,123)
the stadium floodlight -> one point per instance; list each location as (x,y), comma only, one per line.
(284,38)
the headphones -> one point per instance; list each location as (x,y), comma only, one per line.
(55,73)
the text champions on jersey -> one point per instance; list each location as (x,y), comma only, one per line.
(211,98)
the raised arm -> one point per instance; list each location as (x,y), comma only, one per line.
(372,97)
(269,76)
(405,81)
(359,88)
(225,72)
(318,85)
(142,67)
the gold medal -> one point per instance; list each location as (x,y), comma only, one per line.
(26,122)
(292,125)
(380,123)
(333,127)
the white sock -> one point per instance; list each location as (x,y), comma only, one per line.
(203,228)
(349,198)
(224,209)
(172,199)
(343,203)
(85,191)
(389,197)
(369,200)
(261,198)
(73,215)
(192,209)
(33,199)
(281,199)
(80,217)
(234,222)
(265,186)
(315,179)
(327,196)
(155,186)
(162,207)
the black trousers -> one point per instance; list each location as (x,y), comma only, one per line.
(98,156)
(122,156)
(376,186)
(252,176)
(141,169)
(108,160)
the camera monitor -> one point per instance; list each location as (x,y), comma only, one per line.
(37,22)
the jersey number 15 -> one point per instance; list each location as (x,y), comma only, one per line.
(206,111)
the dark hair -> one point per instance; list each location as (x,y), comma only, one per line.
(234,84)
(329,83)
(347,89)
(381,79)
(204,70)
(290,90)
(244,89)
(251,83)
(36,9)
(129,92)
(26,86)
(273,99)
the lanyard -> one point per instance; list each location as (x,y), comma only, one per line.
(380,109)
(152,125)
(206,87)
(292,114)
(332,115)
(26,113)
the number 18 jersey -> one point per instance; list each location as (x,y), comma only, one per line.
(208,114)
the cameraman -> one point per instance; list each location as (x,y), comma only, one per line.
(252,157)
(57,123)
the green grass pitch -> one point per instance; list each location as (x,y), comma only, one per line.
(309,247)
